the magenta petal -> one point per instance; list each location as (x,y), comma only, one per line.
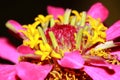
(101,74)
(8,51)
(29,71)
(116,53)
(25,49)
(114,31)
(55,11)
(7,72)
(15,27)
(97,10)
(72,60)
(15,24)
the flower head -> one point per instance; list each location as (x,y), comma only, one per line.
(69,46)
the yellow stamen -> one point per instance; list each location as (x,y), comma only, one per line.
(42,35)
(83,19)
(78,17)
(100,53)
(79,38)
(67,16)
(56,55)
(73,20)
(53,39)
(52,22)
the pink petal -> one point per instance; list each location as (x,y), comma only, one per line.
(7,72)
(25,49)
(29,71)
(15,27)
(8,51)
(116,53)
(97,73)
(55,11)
(98,10)
(72,60)
(114,31)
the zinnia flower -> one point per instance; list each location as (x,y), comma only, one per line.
(69,46)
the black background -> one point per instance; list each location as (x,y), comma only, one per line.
(24,11)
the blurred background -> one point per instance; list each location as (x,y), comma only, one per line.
(24,11)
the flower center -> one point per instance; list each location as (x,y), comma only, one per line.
(76,31)
(64,34)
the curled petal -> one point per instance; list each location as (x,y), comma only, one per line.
(72,60)
(55,11)
(7,72)
(29,71)
(97,73)
(114,31)
(15,27)
(98,11)
(8,51)
(25,49)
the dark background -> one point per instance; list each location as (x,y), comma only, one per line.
(24,11)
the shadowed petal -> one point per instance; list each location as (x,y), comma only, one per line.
(7,72)
(8,51)
(72,60)
(94,60)
(114,31)
(29,71)
(55,11)
(25,49)
(98,11)
(97,73)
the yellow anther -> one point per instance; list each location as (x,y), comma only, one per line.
(42,47)
(44,21)
(48,17)
(76,14)
(100,53)
(56,55)
(57,21)
(35,24)
(40,17)
(48,48)
(56,74)
(44,55)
